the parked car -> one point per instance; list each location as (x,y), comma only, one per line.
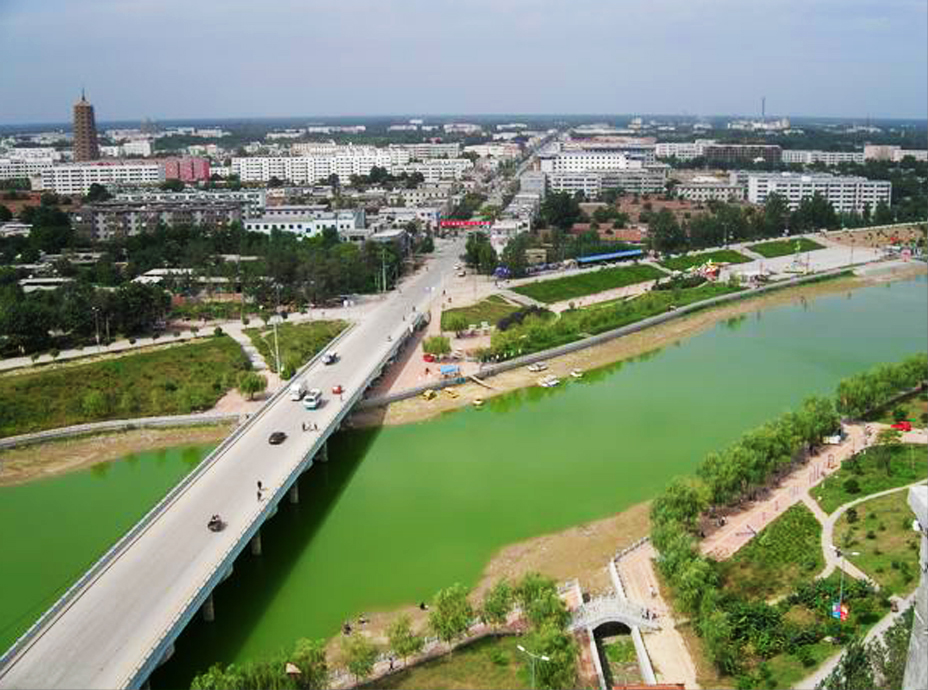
(276,438)
(428,357)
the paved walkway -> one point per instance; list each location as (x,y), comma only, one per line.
(666,647)
(740,528)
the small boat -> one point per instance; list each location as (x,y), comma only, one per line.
(548,381)
(429,394)
(451,393)
(576,373)
(537,366)
(478,402)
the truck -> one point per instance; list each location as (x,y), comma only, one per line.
(297,390)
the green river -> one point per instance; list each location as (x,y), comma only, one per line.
(400,512)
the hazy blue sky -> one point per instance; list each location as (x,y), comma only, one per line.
(229,58)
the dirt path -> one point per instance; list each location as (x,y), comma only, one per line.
(418,409)
(667,649)
(20,465)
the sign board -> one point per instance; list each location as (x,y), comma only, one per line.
(465,223)
(839,610)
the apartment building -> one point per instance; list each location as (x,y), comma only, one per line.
(400,215)
(436,169)
(650,179)
(823,157)
(877,152)
(702,189)
(683,150)
(429,150)
(114,219)
(186,169)
(11,168)
(251,201)
(846,194)
(76,178)
(742,153)
(349,223)
(533,182)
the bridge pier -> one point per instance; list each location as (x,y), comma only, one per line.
(294,493)
(323,453)
(209,609)
(256,544)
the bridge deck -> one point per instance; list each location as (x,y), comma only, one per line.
(113,630)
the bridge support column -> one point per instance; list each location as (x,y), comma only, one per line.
(294,493)
(323,454)
(209,609)
(256,544)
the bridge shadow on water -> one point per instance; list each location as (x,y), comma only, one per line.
(242,599)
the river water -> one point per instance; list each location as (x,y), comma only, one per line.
(400,512)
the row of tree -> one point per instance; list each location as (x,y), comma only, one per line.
(451,617)
(859,394)
(731,475)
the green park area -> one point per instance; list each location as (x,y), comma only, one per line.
(298,343)
(493,662)
(785,551)
(876,469)
(621,667)
(878,538)
(913,409)
(775,248)
(588,282)
(721,256)
(172,380)
(491,309)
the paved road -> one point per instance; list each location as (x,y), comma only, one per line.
(130,608)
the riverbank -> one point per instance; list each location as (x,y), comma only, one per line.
(417,409)
(41,461)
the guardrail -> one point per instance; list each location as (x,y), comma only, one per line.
(100,566)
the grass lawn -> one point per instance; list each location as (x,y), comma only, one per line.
(622,661)
(906,465)
(488,663)
(776,248)
(786,669)
(588,282)
(915,407)
(785,551)
(298,342)
(491,310)
(681,263)
(165,381)
(882,534)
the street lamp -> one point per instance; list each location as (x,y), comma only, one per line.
(533,657)
(839,552)
(96,322)
(276,342)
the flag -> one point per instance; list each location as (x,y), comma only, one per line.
(839,610)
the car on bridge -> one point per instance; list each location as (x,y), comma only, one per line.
(276,438)
(313,399)
(330,357)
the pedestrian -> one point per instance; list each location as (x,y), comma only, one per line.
(653,591)
(303,426)
(391,663)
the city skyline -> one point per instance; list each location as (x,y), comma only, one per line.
(823,59)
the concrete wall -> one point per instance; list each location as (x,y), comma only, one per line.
(916,668)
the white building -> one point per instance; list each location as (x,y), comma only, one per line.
(682,150)
(34,153)
(824,157)
(494,150)
(400,215)
(427,150)
(846,194)
(11,168)
(252,201)
(649,179)
(436,169)
(462,128)
(76,178)
(878,152)
(704,188)
(349,223)
(533,182)
(319,161)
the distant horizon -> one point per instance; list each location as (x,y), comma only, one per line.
(401,118)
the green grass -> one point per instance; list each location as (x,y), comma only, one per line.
(916,411)
(682,263)
(165,381)
(776,248)
(786,550)
(786,670)
(883,536)
(491,310)
(487,663)
(623,662)
(907,465)
(298,342)
(588,283)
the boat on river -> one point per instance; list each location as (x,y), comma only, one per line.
(549,381)
(576,373)
(478,402)
(537,366)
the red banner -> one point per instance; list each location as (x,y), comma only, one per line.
(463,223)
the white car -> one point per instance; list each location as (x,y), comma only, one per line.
(330,357)
(313,399)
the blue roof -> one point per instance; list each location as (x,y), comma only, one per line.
(607,257)
(449,368)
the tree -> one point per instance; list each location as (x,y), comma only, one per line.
(360,654)
(97,192)
(309,657)
(172,185)
(403,641)
(451,613)
(888,658)
(436,345)
(514,255)
(681,502)
(852,672)
(887,441)
(219,678)
(560,670)
(560,210)
(455,321)
(250,383)
(664,232)
(497,604)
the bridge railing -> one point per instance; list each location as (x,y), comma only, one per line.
(100,566)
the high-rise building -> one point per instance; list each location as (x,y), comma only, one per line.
(85,132)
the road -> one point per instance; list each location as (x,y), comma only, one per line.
(114,629)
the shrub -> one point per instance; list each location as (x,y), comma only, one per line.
(132,341)
(852,486)
(95,404)
(851,512)
(871,535)
(217,331)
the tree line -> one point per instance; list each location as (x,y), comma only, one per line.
(451,617)
(727,624)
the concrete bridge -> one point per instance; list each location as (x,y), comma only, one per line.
(119,621)
(611,609)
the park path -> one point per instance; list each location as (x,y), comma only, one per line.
(666,648)
(739,529)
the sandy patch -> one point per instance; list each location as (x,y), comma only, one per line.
(19,465)
(418,409)
(865,237)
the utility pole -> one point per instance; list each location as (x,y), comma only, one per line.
(383,269)
(276,341)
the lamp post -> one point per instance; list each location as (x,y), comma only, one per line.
(96,323)
(276,342)
(841,553)
(533,657)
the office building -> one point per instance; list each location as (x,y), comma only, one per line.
(85,132)
(823,157)
(846,194)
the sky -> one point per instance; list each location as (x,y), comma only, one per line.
(171,59)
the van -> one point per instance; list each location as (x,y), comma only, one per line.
(312,399)
(297,390)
